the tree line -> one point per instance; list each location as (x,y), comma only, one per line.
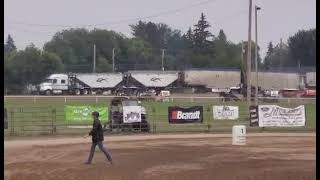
(71,50)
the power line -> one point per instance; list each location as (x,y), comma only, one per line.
(120,21)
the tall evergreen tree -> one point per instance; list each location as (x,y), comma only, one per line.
(189,38)
(267,59)
(222,37)
(9,46)
(202,35)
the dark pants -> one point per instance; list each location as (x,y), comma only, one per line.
(100,145)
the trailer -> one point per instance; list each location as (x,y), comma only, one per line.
(216,80)
(151,83)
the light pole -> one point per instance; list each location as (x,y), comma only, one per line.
(256,54)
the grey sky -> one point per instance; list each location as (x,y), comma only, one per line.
(277,18)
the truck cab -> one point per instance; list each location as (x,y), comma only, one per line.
(55,84)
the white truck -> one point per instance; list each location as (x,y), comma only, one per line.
(80,83)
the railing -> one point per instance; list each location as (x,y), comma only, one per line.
(36,115)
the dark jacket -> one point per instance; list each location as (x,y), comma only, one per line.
(97,131)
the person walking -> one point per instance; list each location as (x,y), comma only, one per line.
(97,139)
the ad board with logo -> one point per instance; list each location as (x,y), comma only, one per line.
(225,112)
(276,116)
(131,114)
(253,113)
(81,114)
(185,115)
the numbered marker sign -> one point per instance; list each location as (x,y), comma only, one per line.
(239,135)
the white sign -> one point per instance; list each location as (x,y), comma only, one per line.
(165,93)
(276,116)
(274,93)
(226,112)
(131,114)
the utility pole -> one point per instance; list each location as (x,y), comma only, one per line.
(162,57)
(94,58)
(249,57)
(256,54)
(112,59)
(243,64)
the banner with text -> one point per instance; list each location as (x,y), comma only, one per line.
(226,112)
(131,114)
(276,116)
(79,114)
(185,115)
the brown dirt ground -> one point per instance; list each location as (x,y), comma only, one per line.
(185,156)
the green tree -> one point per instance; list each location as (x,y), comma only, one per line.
(201,35)
(50,63)
(268,57)
(155,34)
(9,46)
(29,66)
(302,48)
(222,37)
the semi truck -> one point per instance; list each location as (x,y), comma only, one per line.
(80,84)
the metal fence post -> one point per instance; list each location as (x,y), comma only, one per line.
(153,123)
(53,119)
(12,122)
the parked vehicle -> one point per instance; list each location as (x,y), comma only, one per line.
(116,115)
(80,84)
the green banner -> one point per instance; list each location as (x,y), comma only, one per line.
(83,113)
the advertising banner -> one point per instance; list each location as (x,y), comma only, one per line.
(79,114)
(185,115)
(253,112)
(276,116)
(131,114)
(226,112)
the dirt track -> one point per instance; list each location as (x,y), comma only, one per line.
(194,156)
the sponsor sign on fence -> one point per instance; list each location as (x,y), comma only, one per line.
(83,113)
(226,112)
(131,114)
(276,116)
(253,112)
(185,115)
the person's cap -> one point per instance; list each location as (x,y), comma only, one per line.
(95,114)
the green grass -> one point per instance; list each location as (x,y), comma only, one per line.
(35,116)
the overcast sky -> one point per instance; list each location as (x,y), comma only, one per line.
(37,20)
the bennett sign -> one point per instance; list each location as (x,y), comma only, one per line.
(185,115)
(276,116)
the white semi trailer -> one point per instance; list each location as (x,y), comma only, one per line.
(80,83)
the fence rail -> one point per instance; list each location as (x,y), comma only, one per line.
(33,115)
